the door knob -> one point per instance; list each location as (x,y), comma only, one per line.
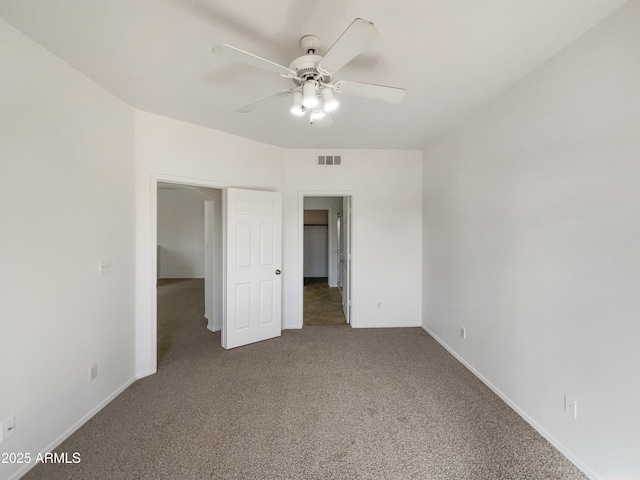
(278,272)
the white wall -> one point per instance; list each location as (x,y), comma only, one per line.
(387,237)
(181,233)
(174,151)
(66,202)
(531,231)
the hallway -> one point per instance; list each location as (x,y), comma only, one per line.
(322,304)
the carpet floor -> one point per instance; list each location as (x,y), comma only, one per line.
(174,316)
(322,303)
(317,403)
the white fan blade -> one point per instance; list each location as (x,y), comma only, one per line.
(369,90)
(263,101)
(253,60)
(358,36)
(323,122)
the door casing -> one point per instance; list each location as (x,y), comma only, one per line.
(300,287)
(149,330)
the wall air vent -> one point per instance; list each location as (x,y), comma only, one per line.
(329,160)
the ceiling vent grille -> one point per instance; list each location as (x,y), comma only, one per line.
(329,160)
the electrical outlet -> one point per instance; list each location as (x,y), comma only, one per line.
(93,372)
(463,332)
(570,406)
(8,427)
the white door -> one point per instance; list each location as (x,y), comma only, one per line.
(253,242)
(340,251)
(346,266)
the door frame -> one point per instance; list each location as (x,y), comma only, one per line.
(324,193)
(151,330)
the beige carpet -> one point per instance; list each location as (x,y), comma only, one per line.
(316,403)
(322,304)
(174,316)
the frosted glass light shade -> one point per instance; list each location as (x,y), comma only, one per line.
(297,108)
(317,114)
(309,98)
(330,102)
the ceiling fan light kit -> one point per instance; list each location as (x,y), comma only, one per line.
(312,74)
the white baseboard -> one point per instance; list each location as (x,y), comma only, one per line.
(395,325)
(389,325)
(71,430)
(550,438)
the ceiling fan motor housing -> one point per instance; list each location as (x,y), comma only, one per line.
(306,68)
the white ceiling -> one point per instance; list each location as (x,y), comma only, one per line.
(451,56)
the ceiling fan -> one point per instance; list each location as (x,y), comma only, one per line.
(312,74)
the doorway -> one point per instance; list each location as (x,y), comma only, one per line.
(326,260)
(189,268)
